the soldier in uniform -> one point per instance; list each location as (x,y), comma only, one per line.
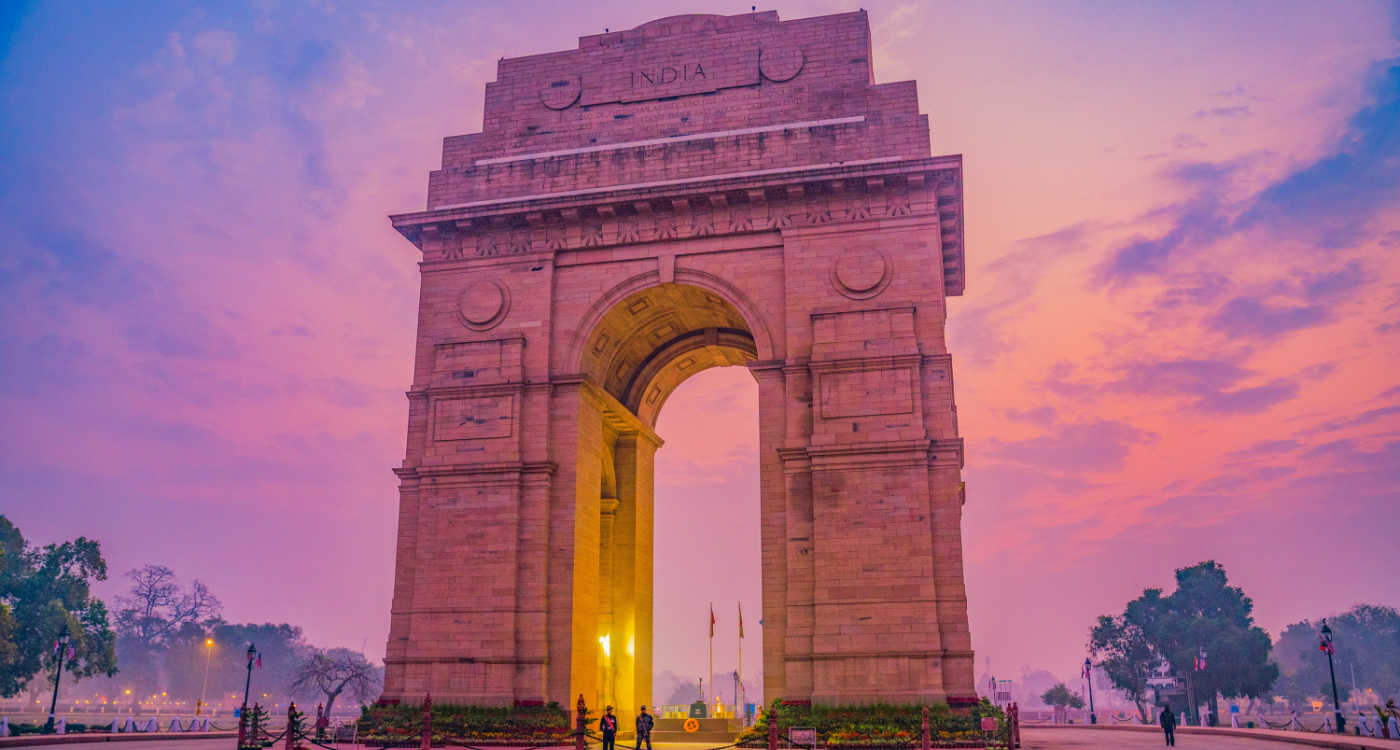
(644,725)
(608,726)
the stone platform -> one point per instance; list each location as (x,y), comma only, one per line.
(711,731)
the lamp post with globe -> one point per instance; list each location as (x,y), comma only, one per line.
(248,683)
(1089,680)
(59,648)
(1325,645)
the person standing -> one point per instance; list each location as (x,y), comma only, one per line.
(644,725)
(608,726)
(1168,722)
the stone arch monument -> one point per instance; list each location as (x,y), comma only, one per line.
(696,192)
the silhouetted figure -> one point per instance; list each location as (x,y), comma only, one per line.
(608,726)
(644,725)
(1168,722)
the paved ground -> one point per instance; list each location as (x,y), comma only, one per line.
(1075,739)
(1033,739)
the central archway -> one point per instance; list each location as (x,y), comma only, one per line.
(637,347)
(642,347)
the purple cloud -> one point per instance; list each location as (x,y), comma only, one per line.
(1249,400)
(1101,445)
(1041,415)
(1334,197)
(1334,283)
(1251,317)
(1239,110)
(1265,448)
(1195,377)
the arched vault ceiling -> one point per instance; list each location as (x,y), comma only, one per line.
(657,337)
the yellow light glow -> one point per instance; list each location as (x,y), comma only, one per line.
(630,651)
(209,642)
(128,691)
(606,642)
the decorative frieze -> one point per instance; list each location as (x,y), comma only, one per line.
(630,222)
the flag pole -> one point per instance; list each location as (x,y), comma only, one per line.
(711,673)
(738,701)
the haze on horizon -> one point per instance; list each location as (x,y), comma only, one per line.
(1178,340)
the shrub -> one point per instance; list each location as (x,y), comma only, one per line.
(878,725)
(403,724)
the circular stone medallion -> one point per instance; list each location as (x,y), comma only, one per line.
(482,305)
(781,63)
(861,274)
(561,92)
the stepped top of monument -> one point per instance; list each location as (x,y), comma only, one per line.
(681,98)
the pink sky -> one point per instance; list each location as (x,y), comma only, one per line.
(1179,340)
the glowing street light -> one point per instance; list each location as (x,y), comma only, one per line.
(208,652)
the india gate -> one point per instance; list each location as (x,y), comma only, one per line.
(698,191)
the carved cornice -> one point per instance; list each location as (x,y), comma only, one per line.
(789,200)
(408,474)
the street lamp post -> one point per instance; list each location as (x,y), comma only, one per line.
(1089,678)
(252,653)
(57,676)
(208,652)
(1326,646)
(243,712)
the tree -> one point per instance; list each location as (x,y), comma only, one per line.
(1204,612)
(282,647)
(335,671)
(1061,698)
(151,617)
(157,607)
(1124,653)
(45,593)
(1367,639)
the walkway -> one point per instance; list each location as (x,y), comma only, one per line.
(1046,738)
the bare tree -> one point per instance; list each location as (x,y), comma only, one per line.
(157,607)
(335,671)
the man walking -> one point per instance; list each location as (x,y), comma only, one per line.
(644,725)
(608,726)
(1168,722)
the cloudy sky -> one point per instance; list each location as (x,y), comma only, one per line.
(1180,338)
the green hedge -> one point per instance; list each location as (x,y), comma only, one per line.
(879,724)
(69,728)
(403,724)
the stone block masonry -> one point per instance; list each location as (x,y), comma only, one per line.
(699,191)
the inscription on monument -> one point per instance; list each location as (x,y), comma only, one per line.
(667,74)
(473,418)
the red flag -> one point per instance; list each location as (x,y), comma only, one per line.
(259,660)
(712,621)
(741,619)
